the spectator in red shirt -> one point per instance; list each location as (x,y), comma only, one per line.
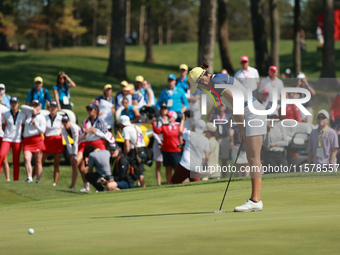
(292,112)
(335,112)
(171,139)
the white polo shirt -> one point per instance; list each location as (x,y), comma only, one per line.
(248,78)
(3,109)
(38,128)
(13,128)
(134,134)
(53,126)
(270,84)
(74,134)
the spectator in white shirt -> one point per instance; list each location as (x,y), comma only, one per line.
(53,139)
(71,130)
(271,82)
(248,76)
(12,123)
(33,143)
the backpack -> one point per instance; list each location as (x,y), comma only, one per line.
(38,92)
(132,172)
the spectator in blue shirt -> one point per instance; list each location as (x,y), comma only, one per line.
(4,98)
(131,110)
(62,91)
(38,93)
(182,81)
(174,97)
(139,89)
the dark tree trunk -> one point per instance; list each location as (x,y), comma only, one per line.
(94,24)
(168,30)
(206,33)
(274,33)
(259,36)
(141,25)
(149,43)
(328,57)
(48,34)
(297,29)
(116,66)
(223,40)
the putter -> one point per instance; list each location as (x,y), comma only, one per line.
(226,190)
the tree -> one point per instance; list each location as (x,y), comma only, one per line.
(328,56)
(117,66)
(223,40)
(7,28)
(297,28)
(206,33)
(274,32)
(259,35)
(48,34)
(149,42)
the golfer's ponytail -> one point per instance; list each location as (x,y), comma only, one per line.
(205,66)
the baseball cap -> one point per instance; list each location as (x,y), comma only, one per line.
(265,91)
(53,103)
(171,76)
(14,100)
(211,127)
(183,66)
(2,86)
(92,106)
(273,68)
(38,79)
(113,146)
(139,78)
(301,75)
(125,120)
(129,87)
(124,83)
(194,76)
(107,86)
(172,114)
(324,112)
(35,102)
(65,118)
(244,59)
(136,96)
(200,126)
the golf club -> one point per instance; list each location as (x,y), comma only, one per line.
(231,175)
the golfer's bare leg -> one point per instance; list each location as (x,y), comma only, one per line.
(253,148)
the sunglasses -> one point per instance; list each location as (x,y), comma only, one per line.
(37,82)
(35,105)
(182,70)
(170,79)
(322,117)
(164,107)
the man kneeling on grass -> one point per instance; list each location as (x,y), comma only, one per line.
(101,161)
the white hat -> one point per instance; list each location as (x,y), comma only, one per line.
(2,86)
(301,75)
(211,127)
(324,112)
(200,126)
(125,120)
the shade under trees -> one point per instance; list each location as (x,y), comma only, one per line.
(274,33)
(297,30)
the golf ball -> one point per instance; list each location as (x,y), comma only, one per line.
(31,231)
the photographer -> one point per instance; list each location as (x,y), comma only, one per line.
(120,165)
(101,161)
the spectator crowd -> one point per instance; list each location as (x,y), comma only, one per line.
(113,144)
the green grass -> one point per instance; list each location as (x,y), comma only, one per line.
(300,217)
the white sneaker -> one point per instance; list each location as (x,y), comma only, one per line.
(28,180)
(54,184)
(249,206)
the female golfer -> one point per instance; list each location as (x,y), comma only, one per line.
(252,136)
(53,139)
(13,121)
(33,143)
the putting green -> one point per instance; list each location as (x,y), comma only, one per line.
(300,216)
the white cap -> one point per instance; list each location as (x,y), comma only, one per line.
(125,120)
(211,127)
(324,112)
(301,75)
(200,126)
(2,86)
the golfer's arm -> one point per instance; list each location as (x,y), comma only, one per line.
(333,155)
